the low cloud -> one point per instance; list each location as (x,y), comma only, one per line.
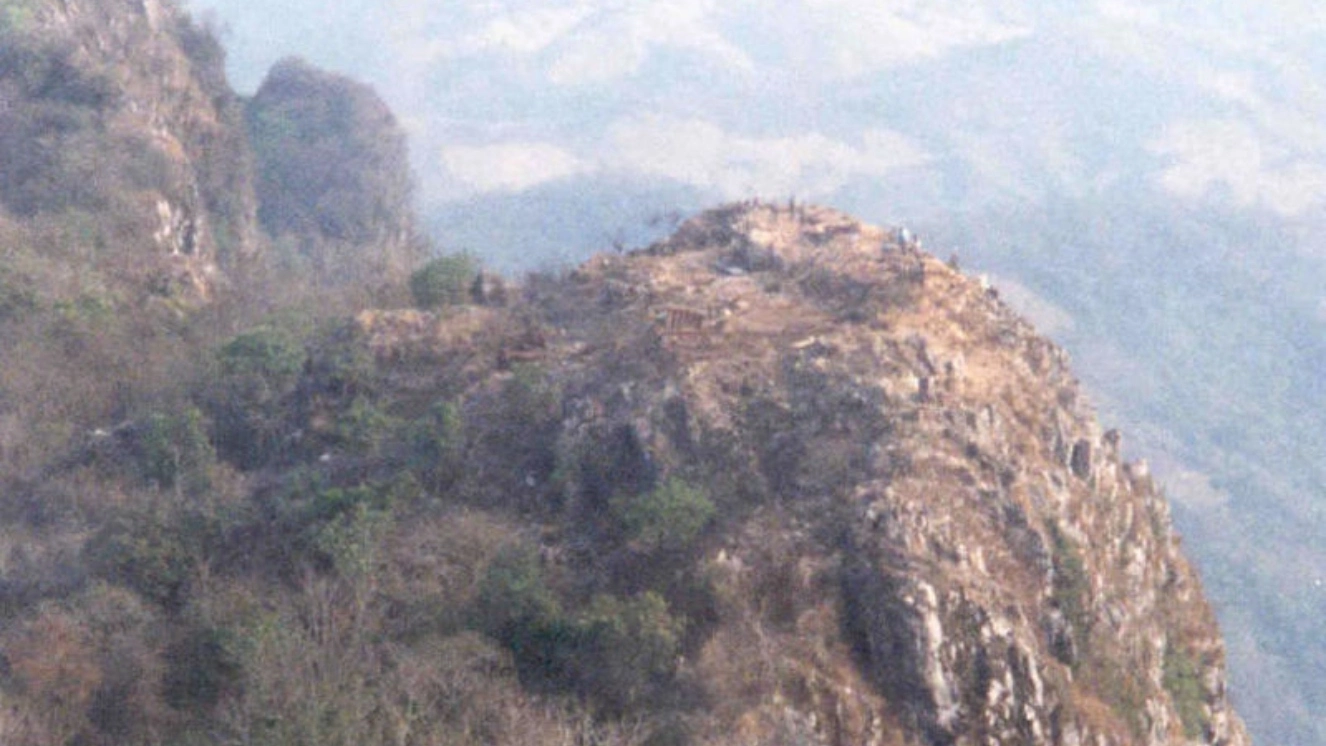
(586,42)
(576,43)
(1209,155)
(508,167)
(528,32)
(701,154)
(618,40)
(864,36)
(692,152)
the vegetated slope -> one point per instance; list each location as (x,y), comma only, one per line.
(129,230)
(125,198)
(1002,573)
(778,478)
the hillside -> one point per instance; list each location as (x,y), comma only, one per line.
(779,478)
(136,204)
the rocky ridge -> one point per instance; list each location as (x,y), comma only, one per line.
(926,535)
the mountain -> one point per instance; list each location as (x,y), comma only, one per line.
(122,110)
(1079,152)
(234,502)
(333,174)
(781,477)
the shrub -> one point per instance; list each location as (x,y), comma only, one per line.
(516,431)
(514,598)
(365,429)
(201,666)
(350,541)
(18,296)
(617,652)
(516,607)
(668,518)
(258,370)
(1071,585)
(438,445)
(174,451)
(16,17)
(444,281)
(145,552)
(265,353)
(1183,681)
(629,648)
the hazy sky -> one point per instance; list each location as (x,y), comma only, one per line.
(809,97)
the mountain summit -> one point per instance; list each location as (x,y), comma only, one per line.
(921,532)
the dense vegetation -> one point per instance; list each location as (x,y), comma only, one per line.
(273,542)
(224,518)
(179,555)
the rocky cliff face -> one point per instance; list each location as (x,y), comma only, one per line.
(782,478)
(121,109)
(927,537)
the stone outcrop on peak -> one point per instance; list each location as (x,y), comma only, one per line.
(116,116)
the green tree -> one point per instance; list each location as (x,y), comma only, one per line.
(667,518)
(444,281)
(516,607)
(147,551)
(514,598)
(174,451)
(630,648)
(364,428)
(259,369)
(438,446)
(16,17)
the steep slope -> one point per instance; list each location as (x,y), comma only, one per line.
(1173,309)
(126,198)
(130,206)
